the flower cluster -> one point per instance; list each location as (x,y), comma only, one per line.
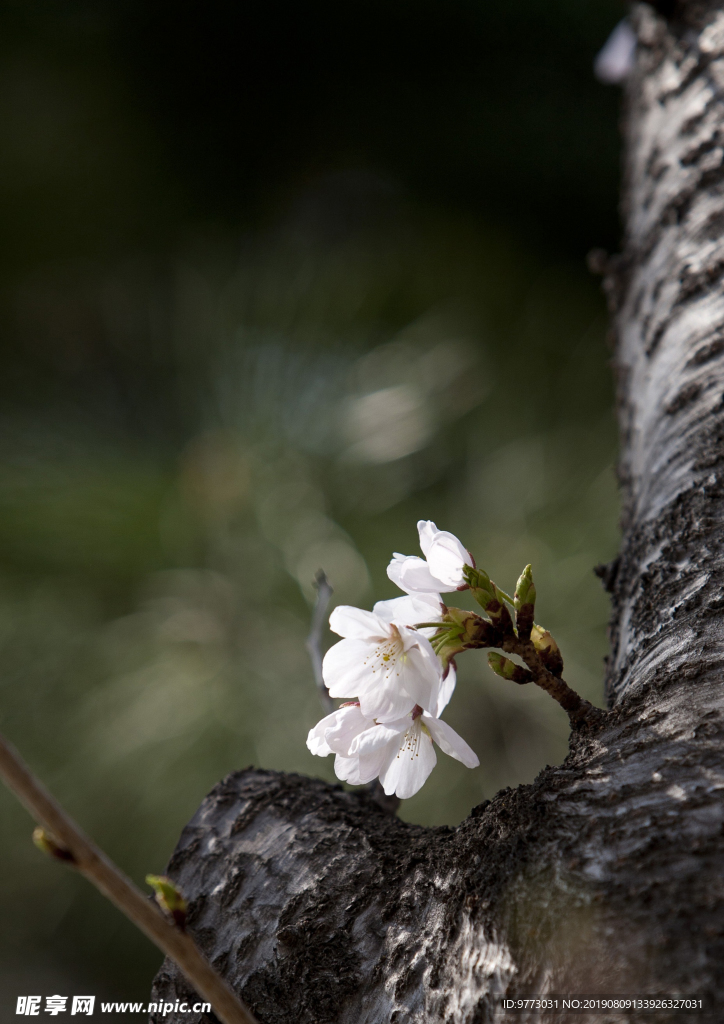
(397,683)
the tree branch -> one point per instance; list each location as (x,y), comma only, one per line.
(76,849)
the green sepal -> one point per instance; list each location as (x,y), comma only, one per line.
(489,597)
(507,669)
(481,585)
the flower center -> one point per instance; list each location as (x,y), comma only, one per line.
(386,655)
(411,742)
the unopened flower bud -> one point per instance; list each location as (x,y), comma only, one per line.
(489,597)
(474,631)
(169,898)
(50,845)
(507,669)
(524,602)
(546,646)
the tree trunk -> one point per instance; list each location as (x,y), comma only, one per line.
(606,875)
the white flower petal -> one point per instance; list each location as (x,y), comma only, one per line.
(445,692)
(334,733)
(411,638)
(356,623)
(413,608)
(372,762)
(344,670)
(450,743)
(347,725)
(420,675)
(386,703)
(445,554)
(316,739)
(347,769)
(370,751)
(424,666)
(412,574)
(427,531)
(379,736)
(410,764)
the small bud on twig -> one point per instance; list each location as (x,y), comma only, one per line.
(169,898)
(50,845)
(507,669)
(489,597)
(524,602)
(546,646)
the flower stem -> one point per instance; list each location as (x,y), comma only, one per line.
(90,861)
(506,596)
(578,709)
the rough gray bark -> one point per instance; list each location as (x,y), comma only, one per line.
(607,874)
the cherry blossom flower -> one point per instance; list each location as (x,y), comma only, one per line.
(388,668)
(441,571)
(414,608)
(400,753)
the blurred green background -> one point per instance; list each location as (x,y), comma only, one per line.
(276,281)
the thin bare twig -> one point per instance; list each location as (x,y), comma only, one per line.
(76,849)
(314,640)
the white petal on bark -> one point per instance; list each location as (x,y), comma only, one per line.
(356,623)
(412,574)
(445,554)
(615,61)
(410,763)
(450,743)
